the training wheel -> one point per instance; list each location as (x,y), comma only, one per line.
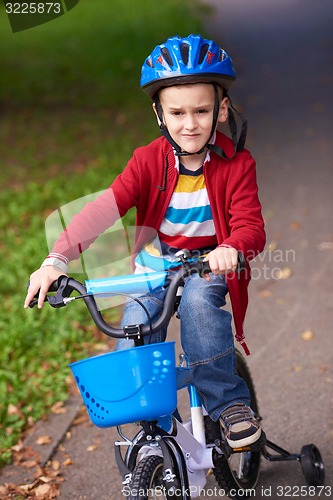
(312,465)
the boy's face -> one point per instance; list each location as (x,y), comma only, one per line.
(188,113)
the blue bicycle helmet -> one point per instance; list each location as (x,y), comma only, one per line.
(186,60)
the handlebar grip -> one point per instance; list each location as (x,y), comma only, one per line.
(241,266)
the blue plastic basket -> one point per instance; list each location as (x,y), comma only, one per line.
(130,385)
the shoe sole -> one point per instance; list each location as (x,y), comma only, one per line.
(241,443)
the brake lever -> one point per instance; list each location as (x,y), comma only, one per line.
(33,303)
(63,291)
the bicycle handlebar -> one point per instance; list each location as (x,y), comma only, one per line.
(65,286)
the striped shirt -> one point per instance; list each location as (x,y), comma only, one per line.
(188,221)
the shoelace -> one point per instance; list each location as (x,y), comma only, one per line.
(236,413)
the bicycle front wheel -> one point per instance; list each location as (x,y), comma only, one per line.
(239,474)
(147,481)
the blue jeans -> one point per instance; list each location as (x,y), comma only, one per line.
(206,338)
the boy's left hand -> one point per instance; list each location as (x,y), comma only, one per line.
(222,260)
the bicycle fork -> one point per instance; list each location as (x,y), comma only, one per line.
(185,453)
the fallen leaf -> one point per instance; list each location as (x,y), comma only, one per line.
(46,479)
(283,274)
(272,246)
(17,447)
(101,347)
(28,464)
(325,245)
(265,293)
(55,465)
(297,368)
(58,408)
(93,447)
(13,410)
(3,490)
(27,487)
(42,491)
(307,335)
(41,440)
(68,461)
(295,225)
(81,419)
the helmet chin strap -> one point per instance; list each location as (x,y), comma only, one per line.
(238,145)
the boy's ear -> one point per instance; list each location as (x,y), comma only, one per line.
(223,111)
(155,111)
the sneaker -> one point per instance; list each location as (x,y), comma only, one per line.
(240,426)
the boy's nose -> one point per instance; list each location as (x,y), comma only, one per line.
(190,123)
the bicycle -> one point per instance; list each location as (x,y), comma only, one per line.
(174,462)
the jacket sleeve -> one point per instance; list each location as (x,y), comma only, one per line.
(97,216)
(246,224)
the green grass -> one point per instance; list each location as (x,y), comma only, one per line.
(72,113)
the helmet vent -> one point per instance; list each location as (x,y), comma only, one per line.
(222,55)
(149,62)
(166,55)
(184,50)
(203,52)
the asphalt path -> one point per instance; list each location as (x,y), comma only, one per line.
(283,56)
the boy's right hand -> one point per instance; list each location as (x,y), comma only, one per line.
(41,280)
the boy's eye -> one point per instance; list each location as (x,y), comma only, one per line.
(202,111)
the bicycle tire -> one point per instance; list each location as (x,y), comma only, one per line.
(147,480)
(237,483)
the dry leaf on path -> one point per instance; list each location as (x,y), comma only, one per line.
(272,246)
(29,464)
(68,461)
(265,293)
(295,225)
(58,408)
(284,274)
(325,245)
(55,465)
(43,491)
(297,368)
(41,440)
(92,447)
(307,335)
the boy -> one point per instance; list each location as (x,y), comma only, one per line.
(198,189)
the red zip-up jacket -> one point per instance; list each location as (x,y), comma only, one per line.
(233,194)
